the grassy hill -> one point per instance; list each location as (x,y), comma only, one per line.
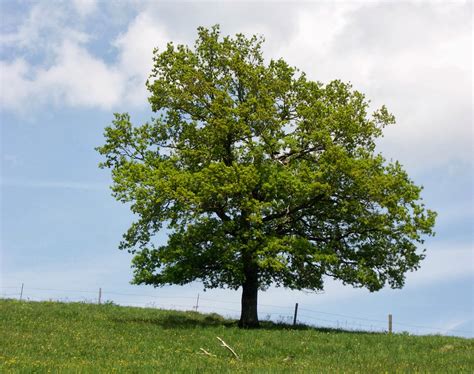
(76,337)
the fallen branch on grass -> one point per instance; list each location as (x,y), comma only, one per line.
(207,353)
(225,345)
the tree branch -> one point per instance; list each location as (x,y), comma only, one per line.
(289,211)
(132,156)
(285,158)
(221,214)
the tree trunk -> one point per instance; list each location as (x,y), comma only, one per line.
(248,314)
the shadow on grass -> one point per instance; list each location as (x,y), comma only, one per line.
(186,320)
(269,325)
(181,320)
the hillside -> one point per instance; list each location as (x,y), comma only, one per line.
(73,337)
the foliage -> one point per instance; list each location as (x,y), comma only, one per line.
(57,337)
(261,177)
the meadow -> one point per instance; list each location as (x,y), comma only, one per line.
(78,337)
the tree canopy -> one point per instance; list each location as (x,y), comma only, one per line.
(261,177)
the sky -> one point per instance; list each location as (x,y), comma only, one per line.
(67,66)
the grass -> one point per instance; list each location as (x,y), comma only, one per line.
(77,337)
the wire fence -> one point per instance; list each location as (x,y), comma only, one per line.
(231,309)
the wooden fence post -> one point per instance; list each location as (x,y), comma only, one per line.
(21,292)
(100,295)
(389,323)
(296,314)
(197,303)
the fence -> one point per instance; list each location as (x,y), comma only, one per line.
(290,314)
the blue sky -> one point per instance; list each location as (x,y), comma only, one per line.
(66,67)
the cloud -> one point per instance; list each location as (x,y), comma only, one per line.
(85,7)
(79,79)
(67,73)
(76,79)
(414,57)
(135,48)
(44,27)
(49,64)
(14,87)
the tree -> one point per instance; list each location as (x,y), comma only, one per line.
(261,176)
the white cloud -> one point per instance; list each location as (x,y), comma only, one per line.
(85,7)
(135,48)
(45,26)
(79,79)
(309,48)
(414,57)
(76,78)
(14,87)
(68,73)
(52,65)
(137,43)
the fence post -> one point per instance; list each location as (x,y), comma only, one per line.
(100,295)
(389,323)
(296,314)
(21,292)
(197,303)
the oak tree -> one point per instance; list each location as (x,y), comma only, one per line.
(261,177)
